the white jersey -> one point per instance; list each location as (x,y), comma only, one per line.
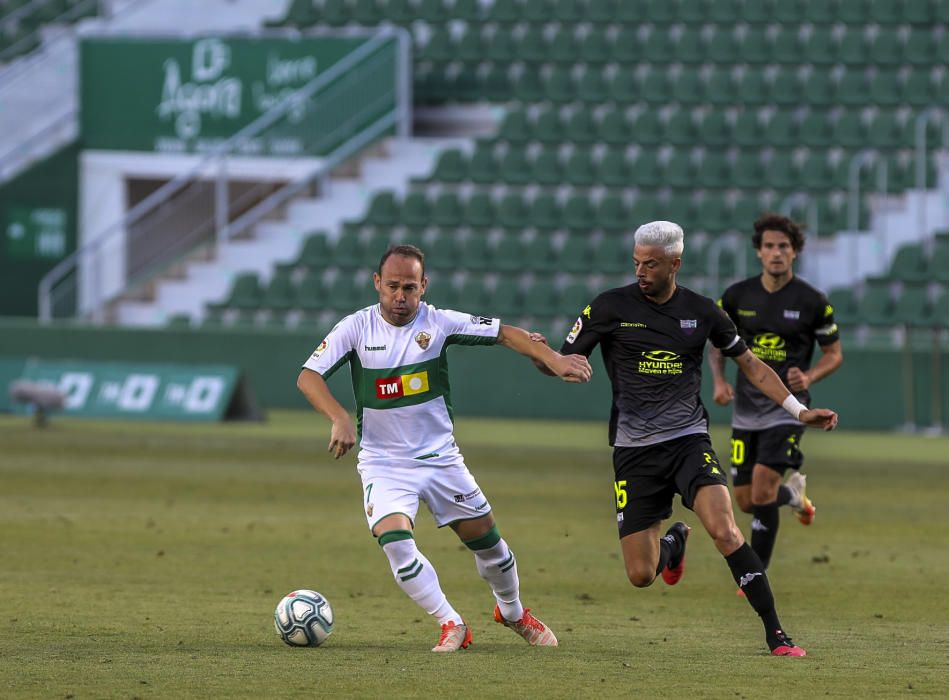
(400,380)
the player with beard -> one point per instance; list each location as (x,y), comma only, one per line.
(652,335)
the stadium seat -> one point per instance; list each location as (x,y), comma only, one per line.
(660,11)
(548,127)
(579,170)
(446,211)
(679,171)
(715,170)
(921,47)
(300,13)
(820,48)
(912,306)
(885,131)
(714,129)
(844,304)
(506,256)
(611,214)
(785,88)
(853,12)
(919,88)
(748,129)
(537,254)
(726,12)
(816,130)
(939,263)
(366,13)
(611,254)
(541,298)
(885,11)
(849,131)
(713,215)
(476,252)
(659,48)
(574,256)
(383,211)
(679,128)
(592,87)
(532,46)
(909,264)
(537,11)
(563,48)
(786,46)
(416,211)
(578,213)
(501,47)
(885,88)
(515,127)
(645,170)
(852,49)
(626,46)
(818,172)
(451,167)
(506,299)
(595,49)
(482,167)
(479,211)
(515,166)
(442,253)
(334,13)
(504,11)
(315,254)
(781,130)
(310,294)
(690,48)
(613,128)
(545,212)
(755,48)
(819,88)
(280,293)
(433,12)
(624,88)
(647,128)
(720,87)
(918,11)
(546,168)
(789,11)
(644,209)
(751,88)
(245,292)
(781,173)
(876,304)
(688,88)
(513,214)
(744,211)
(613,169)
(656,88)
(817,13)
(754,13)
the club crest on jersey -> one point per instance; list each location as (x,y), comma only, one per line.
(319,349)
(688,325)
(792,314)
(369,509)
(423,339)
(404,385)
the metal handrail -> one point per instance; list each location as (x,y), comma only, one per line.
(220,151)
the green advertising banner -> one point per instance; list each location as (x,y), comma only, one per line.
(143,391)
(187,96)
(36,233)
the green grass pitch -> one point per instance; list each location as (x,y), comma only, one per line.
(143,560)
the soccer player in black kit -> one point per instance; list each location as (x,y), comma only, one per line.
(780,318)
(652,336)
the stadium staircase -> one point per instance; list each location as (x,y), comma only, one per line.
(39,55)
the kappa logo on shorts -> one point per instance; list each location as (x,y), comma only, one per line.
(404,385)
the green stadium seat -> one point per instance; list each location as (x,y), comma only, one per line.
(744,211)
(579,170)
(727,12)
(401,12)
(679,207)
(688,88)
(383,211)
(470,47)
(513,214)
(315,254)
(645,170)
(506,299)
(885,88)
(575,295)
(335,13)
(300,13)
(679,171)
(537,11)
(613,169)
(432,12)
(545,212)
(644,209)
(467,10)
(647,128)
(939,263)
(818,172)
(690,47)
(755,48)
(885,131)
(919,11)
(714,171)
(781,173)
(280,293)
(442,253)
(515,127)
(476,252)
(563,47)
(679,129)
(611,254)
(785,88)
(592,87)
(714,129)
(817,131)
(912,306)
(909,264)
(724,47)
(817,13)
(748,129)
(659,48)
(479,211)
(849,131)
(611,215)
(574,255)
(819,88)
(446,211)
(885,11)
(537,254)
(626,47)
(578,213)
(439,47)
(416,211)
(548,127)
(482,166)
(613,128)
(367,13)
(713,215)
(853,12)
(502,47)
(451,167)
(876,304)
(918,90)
(546,168)
(789,11)
(921,47)
(624,88)
(751,88)
(660,11)
(940,311)
(504,11)
(630,12)
(245,293)
(844,304)
(720,88)
(507,253)
(515,166)
(542,298)
(786,47)
(595,48)
(852,49)
(309,292)
(781,130)
(656,88)
(753,12)
(532,46)
(820,48)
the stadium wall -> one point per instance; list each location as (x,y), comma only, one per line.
(868,391)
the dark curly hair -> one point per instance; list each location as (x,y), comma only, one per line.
(778,222)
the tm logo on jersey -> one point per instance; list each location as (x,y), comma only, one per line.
(405,385)
(769,347)
(660,362)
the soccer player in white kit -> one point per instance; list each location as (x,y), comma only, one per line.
(397,354)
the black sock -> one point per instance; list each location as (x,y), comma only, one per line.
(784,496)
(764,531)
(670,547)
(749,574)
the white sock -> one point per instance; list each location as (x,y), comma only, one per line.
(498,567)
(415,575)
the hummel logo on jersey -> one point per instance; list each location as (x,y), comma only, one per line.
(748,578)
(374,348)
(405,385)
(482,320)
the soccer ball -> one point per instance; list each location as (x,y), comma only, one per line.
(303,618)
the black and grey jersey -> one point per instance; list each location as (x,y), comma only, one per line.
(780,328)
(653,356)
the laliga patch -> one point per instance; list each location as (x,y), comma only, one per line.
(575,331)
(319,349)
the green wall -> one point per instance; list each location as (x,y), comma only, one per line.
(38,220)
(867,391)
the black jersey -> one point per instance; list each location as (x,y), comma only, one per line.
(780,328)
(653,357)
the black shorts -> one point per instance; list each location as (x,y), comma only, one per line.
(778,448)
(648,478)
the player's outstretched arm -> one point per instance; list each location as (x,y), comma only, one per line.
(343,434)
(571,368)
(723,391)
(770,384)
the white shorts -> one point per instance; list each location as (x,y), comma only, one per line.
(451,493)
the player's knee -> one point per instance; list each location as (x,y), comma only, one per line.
(727,536)
(640,576)
(744,503)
